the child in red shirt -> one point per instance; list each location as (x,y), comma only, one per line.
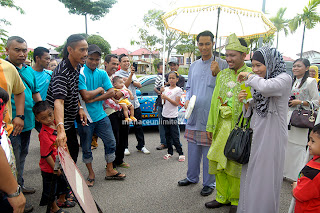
(306,190)
(53,184)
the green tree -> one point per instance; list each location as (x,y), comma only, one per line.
(4,22)
(91,39)
(100,42)
(30,55)
(187,44)
(95,9)
(280,23)
(151,35)
(309,18)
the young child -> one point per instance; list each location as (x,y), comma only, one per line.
(171,96)
(306,190)
(48,151)
(121,97)
(4,138)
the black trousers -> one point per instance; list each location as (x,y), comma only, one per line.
(53,186)
(138,131)
(72,143)
(120,131)
(171,129)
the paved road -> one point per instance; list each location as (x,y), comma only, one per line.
(150,186)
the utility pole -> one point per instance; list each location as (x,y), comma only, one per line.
(264,11)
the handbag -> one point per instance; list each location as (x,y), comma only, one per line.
(303,118)
(239,142)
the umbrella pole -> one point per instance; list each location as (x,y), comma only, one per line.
(215,45)
(220,48)
(163,61)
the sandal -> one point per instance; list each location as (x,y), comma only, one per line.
(182,158)
(167,157)
(70,196)
(66,204)
(60,211)
(124,165)
(115,177)
(91,182)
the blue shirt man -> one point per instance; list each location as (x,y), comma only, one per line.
(95,87)
(91,80)
(29,81)
(41,58)
(43,81)
(17,53)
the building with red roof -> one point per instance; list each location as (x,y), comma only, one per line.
(120,51)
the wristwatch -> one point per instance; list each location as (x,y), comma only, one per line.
(16,194)
(301,103)
(20,116)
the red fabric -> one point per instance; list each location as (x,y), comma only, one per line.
(307,192)
(2,107)
(47,139)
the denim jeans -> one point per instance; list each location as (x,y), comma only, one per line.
(172,134)
(20,145)
(161,127)
(104,131)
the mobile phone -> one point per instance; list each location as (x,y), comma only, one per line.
(135,65)
(292,97)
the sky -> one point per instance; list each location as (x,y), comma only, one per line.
(48,21)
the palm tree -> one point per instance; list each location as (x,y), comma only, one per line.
(309,18)
(280,23)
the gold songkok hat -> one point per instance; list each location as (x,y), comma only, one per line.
(233,43)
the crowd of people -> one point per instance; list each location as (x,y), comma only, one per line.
(55,99)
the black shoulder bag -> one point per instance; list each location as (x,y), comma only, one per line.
(239,142)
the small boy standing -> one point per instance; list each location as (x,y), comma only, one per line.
(48,151)
(306,190)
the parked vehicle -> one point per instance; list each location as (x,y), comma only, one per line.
(147,98)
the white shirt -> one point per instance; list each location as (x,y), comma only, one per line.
(169,110)
(5,144)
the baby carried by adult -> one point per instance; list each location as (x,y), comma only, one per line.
(121,97)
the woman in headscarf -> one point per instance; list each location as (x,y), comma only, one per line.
(261,178)
(313,73)
(304,94)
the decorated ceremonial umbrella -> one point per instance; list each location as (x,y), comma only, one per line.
(194,19)
(244,23)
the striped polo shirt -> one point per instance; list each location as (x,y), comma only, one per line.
(64,85)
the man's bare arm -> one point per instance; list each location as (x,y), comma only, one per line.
(36,97)
(59,118)
(88,95)
(18,123)
(9,185)
(136,84)
(109,94)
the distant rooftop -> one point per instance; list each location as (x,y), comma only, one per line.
(144,51)
(120,51)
